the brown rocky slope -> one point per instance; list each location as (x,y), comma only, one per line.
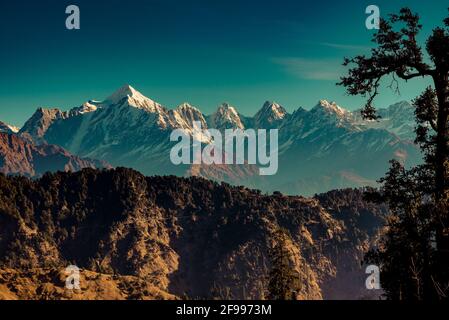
(166,237)
(20,157)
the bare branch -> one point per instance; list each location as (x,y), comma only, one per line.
(397,54)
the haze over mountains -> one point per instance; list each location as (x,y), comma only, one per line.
(326,147)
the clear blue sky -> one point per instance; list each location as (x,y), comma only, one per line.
(201,51)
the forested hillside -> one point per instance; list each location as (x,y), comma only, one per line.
(176,237)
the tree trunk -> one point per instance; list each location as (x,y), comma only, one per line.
(441,179)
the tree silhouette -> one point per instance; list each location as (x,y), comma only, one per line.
(415,254)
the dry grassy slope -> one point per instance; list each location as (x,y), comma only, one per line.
(49,284)
(166,236)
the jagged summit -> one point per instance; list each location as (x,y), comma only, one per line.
(127,95)
(6,128)
(186,106)
(271,106)
(87,107)
(185,114)
(124,92)
(226,109)
(332,107)
(226,117)
(269,114)
(36,127)
(135,133)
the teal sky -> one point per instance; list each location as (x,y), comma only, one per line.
(201,51)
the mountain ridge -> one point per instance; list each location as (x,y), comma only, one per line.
(134,131)
(20,157)
(6,128)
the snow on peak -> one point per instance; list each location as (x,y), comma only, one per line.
(272,110)
(185,106)
(187,113)
(13,128)
(85,108)
(226,108)
(4,127)
(331,107)
(124,92)
(184,117)
(226,117)
(134,99)
(269,115)
(398,118)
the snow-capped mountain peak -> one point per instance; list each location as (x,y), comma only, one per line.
(135,132)
(332,107)
(123,92)
(132,98)
(185,106)
(276,108)
(184,116)
(269,114)
(226,117)
(226,108)
(398,118)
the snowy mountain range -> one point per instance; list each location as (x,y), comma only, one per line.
(323,148)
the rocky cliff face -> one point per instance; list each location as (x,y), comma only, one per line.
(17,156)
(166,237)
(35,128)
